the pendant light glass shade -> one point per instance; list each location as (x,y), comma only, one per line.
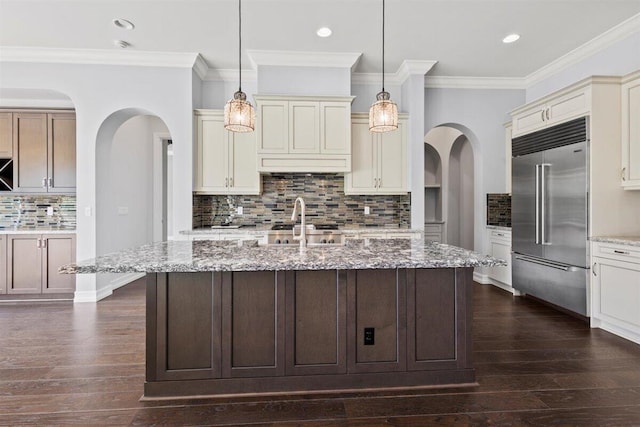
(239,115)
(383,114)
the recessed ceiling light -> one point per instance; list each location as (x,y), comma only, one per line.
(324,32)
(511,38)
(123,23)
(121,44)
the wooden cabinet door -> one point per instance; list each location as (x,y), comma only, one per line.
(253,324)
(392,161)
(30,152)
(437,301)
(631,134)
(363,176)
(243,173)
(6,135)
(59,249)
(62,152)
(304,127)
(376,336)
(3,264)
(335,131)
(24,264)
(273,126)
(569,106)
(316,322)
(212,156)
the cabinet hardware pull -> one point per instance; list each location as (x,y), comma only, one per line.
(542,115)
(231,182)
(500,234)
(379,182)
(623,173)
(38,243)
(49,182)
(621,252)
(44,243)
(44,182)
(226,182)
(593,269)
(547,113)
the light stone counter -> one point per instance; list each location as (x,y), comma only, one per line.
(37,230)
(209,255)
(618,240)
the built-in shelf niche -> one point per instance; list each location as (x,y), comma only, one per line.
(432,184)
(6,175)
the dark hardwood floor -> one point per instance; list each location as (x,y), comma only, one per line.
(62,364)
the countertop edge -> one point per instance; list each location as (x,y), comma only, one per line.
(618,240)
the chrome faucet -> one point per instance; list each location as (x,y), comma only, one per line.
(303,226)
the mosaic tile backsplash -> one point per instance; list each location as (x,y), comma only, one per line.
(324,198)
(499,209)
(31,211)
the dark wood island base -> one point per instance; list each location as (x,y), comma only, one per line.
(220,333)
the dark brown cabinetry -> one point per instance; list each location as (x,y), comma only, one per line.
(44,152)
(269,331)
(3,264)
(33,261)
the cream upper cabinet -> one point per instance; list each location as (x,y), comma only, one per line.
(225,161)
(507,155)
(631,132)
(557,108)
(303,133)
(6,135)
(379,161)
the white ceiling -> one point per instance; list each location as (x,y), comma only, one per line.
(464,36)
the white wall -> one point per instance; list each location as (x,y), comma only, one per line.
(365,95)
(618,59)
(216,93)
(479,113)
(97,92)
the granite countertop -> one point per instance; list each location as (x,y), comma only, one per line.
(207,255)
(37,230)
(618,240)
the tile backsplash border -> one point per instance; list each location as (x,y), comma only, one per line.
(30,210)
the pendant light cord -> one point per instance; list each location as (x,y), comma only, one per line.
(383,45)
(240,45)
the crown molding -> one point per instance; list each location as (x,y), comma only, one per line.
(451,82)
(98,56)
(200,67)
(303,59)
(593,46)
(410,67)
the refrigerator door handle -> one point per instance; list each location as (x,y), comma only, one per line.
(557,266)
(543,203)
(537,204)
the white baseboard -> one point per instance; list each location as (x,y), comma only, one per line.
(100,294)
(481,278)
(125,279)
(616,330)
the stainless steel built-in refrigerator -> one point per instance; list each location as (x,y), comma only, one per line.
(550,187)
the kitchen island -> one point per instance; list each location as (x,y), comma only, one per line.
(229,318)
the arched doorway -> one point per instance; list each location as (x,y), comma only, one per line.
(454,198)
(132,158)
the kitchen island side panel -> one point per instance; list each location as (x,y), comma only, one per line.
(271,297)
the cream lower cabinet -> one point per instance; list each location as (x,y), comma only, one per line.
(303,134)
(631,132)
(500,247)
(379,160)
(225,161)
(33,261)
(615,286)
(434,231)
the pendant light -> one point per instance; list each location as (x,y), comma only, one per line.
(239,115)
(383,114)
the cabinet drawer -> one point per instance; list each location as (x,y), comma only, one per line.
(500,235)
(433,228)
(618,252)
